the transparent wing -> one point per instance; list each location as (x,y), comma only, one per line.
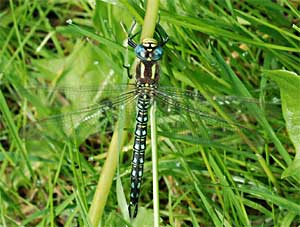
(193,117)
(190,117)
(80,121)
(79,97)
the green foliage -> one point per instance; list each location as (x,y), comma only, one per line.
(238,178)
(289,84)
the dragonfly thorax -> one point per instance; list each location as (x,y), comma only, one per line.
(147,90)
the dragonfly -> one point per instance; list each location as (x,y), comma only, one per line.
(147,74)
(177,108)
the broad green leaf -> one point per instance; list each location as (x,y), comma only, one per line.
(289,84)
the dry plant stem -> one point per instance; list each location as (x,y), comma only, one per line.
(104,185)
(150,19)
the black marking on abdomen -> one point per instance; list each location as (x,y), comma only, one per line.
(139,147)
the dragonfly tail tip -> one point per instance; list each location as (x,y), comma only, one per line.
(133,210)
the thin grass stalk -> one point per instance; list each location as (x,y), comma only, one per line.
(7,116)
(154,165)
(150,21)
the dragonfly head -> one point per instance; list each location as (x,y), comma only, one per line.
(149,50)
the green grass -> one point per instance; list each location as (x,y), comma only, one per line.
(215,48)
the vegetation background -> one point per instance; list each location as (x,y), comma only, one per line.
(233,48)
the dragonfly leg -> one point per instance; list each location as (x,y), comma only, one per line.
(131,37)
(163,39)
(127,67)
(132,27)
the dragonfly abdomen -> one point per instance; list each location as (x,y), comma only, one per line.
(139,146)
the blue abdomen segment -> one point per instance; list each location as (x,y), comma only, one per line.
(139,148)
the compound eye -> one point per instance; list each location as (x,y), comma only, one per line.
(157,53)
(140,51)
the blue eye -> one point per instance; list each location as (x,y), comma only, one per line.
(157,53)
(150,54)
(140,51)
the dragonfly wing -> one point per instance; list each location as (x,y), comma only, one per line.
(78,97)
(199,121)
(80,122)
